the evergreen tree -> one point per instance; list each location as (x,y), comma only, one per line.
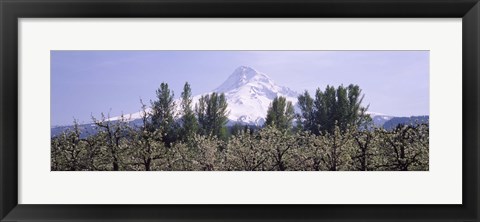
(306,120)
(280,114)
(201,112)
(163,114)
(189,121)
(212,115)
(327,105)
(356,114)
(119,145)
(341,106)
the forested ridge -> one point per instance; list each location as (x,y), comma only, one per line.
(332,132)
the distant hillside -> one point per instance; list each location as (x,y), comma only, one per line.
(249,94)
(379,118)
(88,129)
(413,120)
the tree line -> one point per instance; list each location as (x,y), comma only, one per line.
(332,132)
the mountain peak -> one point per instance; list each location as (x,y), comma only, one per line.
(249,94)
(245,69)
(244,74)
(241,76)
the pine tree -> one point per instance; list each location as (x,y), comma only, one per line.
(189,121)
(280,114)
(163,114)
(341,106)
(306,120)
(328,138)
(327,114)
(212,115)
(357,115)
(200,111)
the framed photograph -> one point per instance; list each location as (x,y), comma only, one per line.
(225,110)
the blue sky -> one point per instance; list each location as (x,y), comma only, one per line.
(85,83)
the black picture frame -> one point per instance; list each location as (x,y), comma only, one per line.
(12,10)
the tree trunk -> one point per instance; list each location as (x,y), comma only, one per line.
(147,164)
(115,166)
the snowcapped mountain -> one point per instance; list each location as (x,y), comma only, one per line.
(249,94)
(379,118)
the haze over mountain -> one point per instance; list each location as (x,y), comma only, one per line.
(249,94)
(91,82)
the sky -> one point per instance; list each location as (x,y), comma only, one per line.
(86,83)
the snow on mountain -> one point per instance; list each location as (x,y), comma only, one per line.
(128,117)
(379,118)
(249,94)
